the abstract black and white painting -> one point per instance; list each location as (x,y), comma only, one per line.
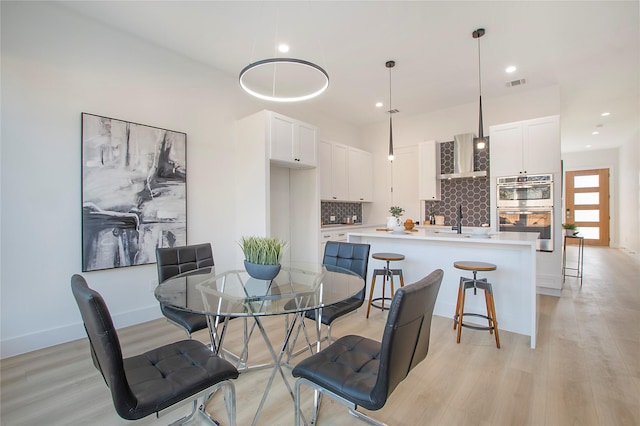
(134,192)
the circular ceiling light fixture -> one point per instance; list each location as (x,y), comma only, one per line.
(284,79)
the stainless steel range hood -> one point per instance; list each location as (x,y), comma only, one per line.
(463,158)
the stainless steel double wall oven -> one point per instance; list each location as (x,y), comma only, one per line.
(525,204)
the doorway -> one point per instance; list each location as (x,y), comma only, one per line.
(587,204)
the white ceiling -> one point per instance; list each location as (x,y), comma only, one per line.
(590,49)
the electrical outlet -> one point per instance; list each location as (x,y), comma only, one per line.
(332,218)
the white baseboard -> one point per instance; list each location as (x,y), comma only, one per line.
(55,336)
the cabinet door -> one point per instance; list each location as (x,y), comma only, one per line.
(360,175)
(541,148)
(325,170)
(305,144)
(282,137)
(405,181)
(339,173)
(505,144)
(428,170)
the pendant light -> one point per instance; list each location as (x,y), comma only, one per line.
(390,64)
(481,141)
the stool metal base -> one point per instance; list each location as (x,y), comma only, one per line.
(388,274)
(475,284)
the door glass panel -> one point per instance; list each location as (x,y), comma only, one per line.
(582,198)
(592,181)
(590,233)
(586,215)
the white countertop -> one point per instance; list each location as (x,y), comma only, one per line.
(447,234)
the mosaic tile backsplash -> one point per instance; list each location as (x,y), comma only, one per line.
(472,194)
(341,211)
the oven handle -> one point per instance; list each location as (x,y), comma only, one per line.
(524,211)
(542,185)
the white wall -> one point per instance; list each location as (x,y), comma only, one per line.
(55,65)
(629,200)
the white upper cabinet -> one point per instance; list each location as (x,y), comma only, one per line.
(333,171)
(428,171)
(360,175)
(525,147)
(324,164)
(346,173)
(292,142)
(404,171)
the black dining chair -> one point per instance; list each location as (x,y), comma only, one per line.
(353,257)
(358,371)
(172,261)
(158,380)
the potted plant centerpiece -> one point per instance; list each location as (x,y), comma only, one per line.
(394,220)
(570,229)
(262,256)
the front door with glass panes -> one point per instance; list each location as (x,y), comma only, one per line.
(587,204)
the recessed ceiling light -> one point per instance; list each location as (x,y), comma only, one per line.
(595,133)
(510,69)
(378,104)
(587,146)
(283,48)
(605,114)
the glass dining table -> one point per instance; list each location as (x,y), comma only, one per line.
(223,293)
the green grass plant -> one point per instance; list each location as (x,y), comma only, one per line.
(263,250)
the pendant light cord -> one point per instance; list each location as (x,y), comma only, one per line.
(481,139)
(479,71)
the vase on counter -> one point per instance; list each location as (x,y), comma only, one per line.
(392,222)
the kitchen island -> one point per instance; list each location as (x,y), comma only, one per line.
(426,249)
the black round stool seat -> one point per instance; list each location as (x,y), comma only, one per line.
(475,283)
(388,274)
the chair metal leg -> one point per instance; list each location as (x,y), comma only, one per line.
(350,405)
(229,400)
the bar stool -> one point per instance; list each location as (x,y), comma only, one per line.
(388,274)
(475,283)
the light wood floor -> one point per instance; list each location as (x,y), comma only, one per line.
(585,370)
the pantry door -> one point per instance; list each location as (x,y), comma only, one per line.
(587,204)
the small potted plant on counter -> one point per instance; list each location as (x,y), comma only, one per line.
(394,220)
(262,256)
(570,229)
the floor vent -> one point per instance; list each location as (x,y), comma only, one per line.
(516,82)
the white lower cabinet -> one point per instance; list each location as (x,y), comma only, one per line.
(333,235)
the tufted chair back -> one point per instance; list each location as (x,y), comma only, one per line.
(351,256)
(104,342)
(405,341)
(176,260)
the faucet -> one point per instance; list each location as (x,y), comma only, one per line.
(458,226)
